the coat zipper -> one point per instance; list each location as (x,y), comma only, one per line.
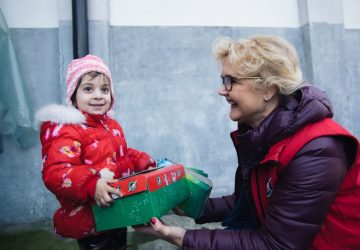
(104,125)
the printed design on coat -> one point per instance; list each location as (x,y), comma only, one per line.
(269,188)
(88,162)
(66,183)
(83,126)
(66,180)
(107,174)
(126,173)
(71,151)
(121,151)
(115,132)
(56,130)
(75,210)
(43,162)
(44,159)
(93,171)
(47,133)
(95,144)
(112,159)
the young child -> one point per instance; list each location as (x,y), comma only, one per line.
(83,151)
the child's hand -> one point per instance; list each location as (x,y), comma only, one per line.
(102,192)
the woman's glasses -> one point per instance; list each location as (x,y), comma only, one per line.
(228,80)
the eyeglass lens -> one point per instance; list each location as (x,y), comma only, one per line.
(227,82)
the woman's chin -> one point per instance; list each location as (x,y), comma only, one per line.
(234,117)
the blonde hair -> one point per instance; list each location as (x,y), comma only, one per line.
(271,58)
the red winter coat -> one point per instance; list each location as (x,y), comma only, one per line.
(78,149)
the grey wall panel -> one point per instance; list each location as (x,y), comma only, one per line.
(328,59)
(23,195)
(38,54)
(65,54)
(99,42)
(166,84)
(352,74)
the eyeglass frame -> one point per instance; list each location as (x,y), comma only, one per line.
(234,79)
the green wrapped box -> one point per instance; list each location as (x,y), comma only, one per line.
(153,193)
(200,187)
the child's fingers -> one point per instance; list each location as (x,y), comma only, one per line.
(112,190)
(105,199)
(105,203)
(111,180)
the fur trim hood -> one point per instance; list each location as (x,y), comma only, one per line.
(58,114)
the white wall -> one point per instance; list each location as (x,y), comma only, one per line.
(255,13)
(243,13)
(351,14)
(31,13)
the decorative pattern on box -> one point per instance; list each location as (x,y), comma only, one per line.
(146,194)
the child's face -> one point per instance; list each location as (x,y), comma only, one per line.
(93,95)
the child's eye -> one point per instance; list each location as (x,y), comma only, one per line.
(105,90)
(87,89)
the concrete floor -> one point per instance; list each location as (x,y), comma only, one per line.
(40,236)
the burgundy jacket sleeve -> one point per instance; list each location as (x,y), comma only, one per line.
(216,209)
(297,208)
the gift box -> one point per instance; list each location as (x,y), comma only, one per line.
(148,194)
(200,187)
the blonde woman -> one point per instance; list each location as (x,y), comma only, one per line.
(297,181)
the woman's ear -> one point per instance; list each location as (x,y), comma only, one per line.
(270,92)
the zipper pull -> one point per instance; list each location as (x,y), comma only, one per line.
(105,126)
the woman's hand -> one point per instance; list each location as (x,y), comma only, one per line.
(172,234)
(102,192)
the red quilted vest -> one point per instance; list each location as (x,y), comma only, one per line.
(343,218)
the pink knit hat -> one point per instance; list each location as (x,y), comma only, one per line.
(77,68)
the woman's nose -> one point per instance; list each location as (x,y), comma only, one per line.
(222,91)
